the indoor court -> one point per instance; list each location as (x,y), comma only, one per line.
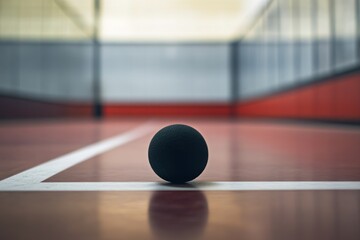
(273,86)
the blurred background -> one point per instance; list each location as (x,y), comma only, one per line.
(283,59)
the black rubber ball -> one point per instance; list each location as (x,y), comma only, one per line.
(178,153)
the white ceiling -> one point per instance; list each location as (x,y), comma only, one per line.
(176,20)
(129,20)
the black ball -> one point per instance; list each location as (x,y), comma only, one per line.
(178,153)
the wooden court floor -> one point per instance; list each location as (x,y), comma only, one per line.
(82,179)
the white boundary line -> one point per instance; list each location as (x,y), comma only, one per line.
(203,186)
(32,179)
(37,174)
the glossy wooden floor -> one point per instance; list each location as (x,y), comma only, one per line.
(239,151)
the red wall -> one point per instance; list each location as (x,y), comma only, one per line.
(336,99)
(167,109)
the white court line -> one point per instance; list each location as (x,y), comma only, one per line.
(203,186)
(31,179)
(43,171)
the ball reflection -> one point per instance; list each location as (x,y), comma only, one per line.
(178,214)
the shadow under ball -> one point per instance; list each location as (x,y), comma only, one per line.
(178,153)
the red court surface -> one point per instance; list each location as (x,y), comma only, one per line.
(264,180)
